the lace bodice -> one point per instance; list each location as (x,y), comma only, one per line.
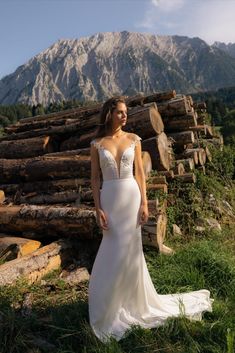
(108,164)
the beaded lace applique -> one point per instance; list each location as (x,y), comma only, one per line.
(111,161)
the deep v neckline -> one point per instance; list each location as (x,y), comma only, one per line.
(118,168)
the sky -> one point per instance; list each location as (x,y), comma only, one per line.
(27,27)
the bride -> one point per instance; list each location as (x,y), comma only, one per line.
(121,292)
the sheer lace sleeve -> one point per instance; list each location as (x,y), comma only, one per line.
(137,139)
(95,143)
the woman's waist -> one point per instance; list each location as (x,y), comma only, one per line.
(118,180)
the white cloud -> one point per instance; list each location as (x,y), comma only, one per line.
(211,20)
(168,5)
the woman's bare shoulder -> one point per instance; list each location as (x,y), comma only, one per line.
(95,140)
(134,136)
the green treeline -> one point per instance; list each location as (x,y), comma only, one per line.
(219,103)
(10,114)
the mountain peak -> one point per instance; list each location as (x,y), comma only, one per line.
(108,63)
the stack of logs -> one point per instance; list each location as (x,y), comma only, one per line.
(45,189)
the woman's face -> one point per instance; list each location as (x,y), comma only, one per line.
(120,114)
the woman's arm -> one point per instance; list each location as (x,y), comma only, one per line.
(95,176)
(139,173)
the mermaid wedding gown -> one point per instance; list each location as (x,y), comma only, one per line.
(121,292)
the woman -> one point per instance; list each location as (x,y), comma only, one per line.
(121,292)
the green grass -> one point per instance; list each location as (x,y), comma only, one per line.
(59,313)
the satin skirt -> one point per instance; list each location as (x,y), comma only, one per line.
(121,292)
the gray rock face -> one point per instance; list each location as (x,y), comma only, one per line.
(227,48)
(105,64)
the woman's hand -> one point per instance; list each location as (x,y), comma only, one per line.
(101,219)
(143,214)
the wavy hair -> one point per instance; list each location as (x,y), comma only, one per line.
(106,115)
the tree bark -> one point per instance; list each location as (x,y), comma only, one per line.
(46,186)
(147,163)
(174,107)
(156,97)
(2,197)
(73,113)
(154,233)
(48,221)
(144,121)
(41,168)
(201,154)
(35,265)
(153,187)
(181,122)
(169,174)
(186,178)
(17,246)
(157,179)
(178,168)
(158,149)
(182,138)
(187,163)
(189,153)
(30,147)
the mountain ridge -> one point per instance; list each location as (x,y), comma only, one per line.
(104,64)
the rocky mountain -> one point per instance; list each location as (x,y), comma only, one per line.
(96,67)
(227,48)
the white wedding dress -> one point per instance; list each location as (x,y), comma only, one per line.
(121,292)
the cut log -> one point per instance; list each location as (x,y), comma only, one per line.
(209,131)
(201,120)
(174,107)
(168,174)
(78,152)
(84,128)
(157,206)
(156,97)
(35,265)
(208,154)
(144,121)
(199,128)
(180,123)
(2,197)
(152,114)
(154,233)
(190,100)
(201,154)
(158,150)
(47,186)
(189,153)
(153,187)
(186,178)
(178,169)
(21,246)
(157,179)
(73,113)
(48,221)
(27,148)
(160,97)
(63,197)
(40,168)
(187,163)
(183,137)
(147,163)
(71,197)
